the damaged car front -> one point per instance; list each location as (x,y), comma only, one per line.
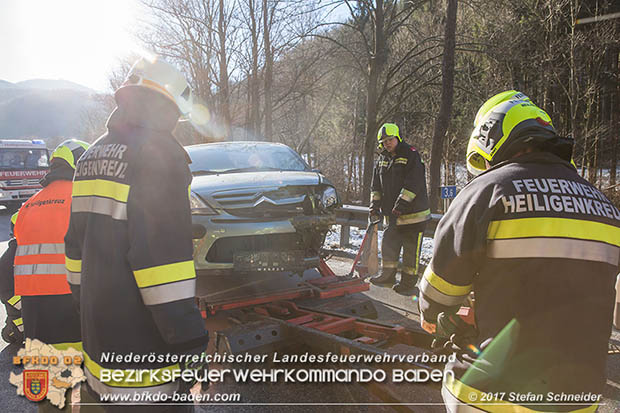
(257,206)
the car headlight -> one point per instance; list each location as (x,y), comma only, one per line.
(329,197)
(198,206)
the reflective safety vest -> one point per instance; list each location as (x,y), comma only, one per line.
(39,271)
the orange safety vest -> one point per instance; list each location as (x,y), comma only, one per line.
(40,231)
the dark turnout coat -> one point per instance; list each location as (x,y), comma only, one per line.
(399,182)
(540,247)
(129,248)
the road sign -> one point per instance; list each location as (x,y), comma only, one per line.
(448,192)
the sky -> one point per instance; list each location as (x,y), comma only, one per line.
(76,40)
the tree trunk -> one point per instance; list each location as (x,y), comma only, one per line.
(375,66)
(268,72)
(442,122)
(615,121)
(354,154)
(223,63)
(254,95)
(573,89)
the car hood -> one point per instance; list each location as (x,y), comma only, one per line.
(208,184)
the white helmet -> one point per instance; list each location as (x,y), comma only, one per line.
(160,76)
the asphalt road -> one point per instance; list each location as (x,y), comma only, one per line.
(286,398)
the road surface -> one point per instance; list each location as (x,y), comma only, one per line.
(391,307)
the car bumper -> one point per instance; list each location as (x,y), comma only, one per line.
(16,195)
(227,235)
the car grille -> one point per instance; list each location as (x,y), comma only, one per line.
(12,183)
(222,249)
(279,202)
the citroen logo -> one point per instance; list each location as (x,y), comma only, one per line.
(262,199)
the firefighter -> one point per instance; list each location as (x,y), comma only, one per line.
(41,290)
(13,330)
(539,246)
(399,193)
(129,246)
(41,306)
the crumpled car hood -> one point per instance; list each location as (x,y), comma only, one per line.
(208,184)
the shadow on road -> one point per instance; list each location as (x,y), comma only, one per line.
(9,400)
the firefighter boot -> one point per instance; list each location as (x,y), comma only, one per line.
(386,278)
(11,334)
(406,285)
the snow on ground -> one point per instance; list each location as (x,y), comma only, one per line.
(356,235)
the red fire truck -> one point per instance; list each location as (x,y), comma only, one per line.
(22,164)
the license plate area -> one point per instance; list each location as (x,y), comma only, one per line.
(268,261)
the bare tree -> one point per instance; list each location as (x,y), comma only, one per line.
(268,14)
(196,35)
(366,39)
(445,110)
(224,91)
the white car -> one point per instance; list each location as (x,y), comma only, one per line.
(257,206)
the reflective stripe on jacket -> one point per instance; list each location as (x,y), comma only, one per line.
(399,182)
(540,247)
(46,304)
(129,253)
(39,230)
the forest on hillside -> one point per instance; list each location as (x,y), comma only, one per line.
(322,75)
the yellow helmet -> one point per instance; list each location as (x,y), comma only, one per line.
(69,151)
(388,131)
(506,126)
(475,162)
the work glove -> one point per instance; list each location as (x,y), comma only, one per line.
(374,213)
(374,209)
(200,369)
(453,335)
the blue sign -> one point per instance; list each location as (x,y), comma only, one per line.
(448,191)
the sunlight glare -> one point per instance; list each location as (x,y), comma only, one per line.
(79,40)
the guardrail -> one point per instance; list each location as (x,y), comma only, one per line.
(349,216)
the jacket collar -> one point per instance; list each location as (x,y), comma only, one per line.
(532,157)
(400,149)
(59,171)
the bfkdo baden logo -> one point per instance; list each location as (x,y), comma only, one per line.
(36,384)
(48,373)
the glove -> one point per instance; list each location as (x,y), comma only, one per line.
(200,368)
(374,212)
(396,212)
(375,208)
(452,334)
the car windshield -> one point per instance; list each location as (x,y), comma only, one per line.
(23,159)
(231,158)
